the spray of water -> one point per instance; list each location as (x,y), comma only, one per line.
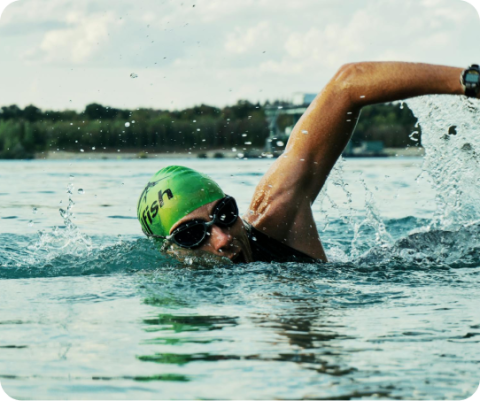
(451,137)
(68,240)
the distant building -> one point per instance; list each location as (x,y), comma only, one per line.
(277,139)
(302,99)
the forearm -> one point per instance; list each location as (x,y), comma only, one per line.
(377,82)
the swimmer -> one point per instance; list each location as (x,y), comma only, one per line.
(191,215)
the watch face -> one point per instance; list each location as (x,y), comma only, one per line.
(472,78)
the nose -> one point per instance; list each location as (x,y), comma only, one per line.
(220,239)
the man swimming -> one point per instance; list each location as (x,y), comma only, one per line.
(189,211)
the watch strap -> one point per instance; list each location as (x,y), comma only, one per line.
(471,91)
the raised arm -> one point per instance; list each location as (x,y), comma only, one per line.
(282,200)
(331,118)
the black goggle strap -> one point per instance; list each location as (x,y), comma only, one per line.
(153,235)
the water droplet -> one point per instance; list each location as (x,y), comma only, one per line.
(305,132)
(248,143)
(280,107)
(81,150)
(127,124)
(280,143)
(234,149)
(80,191)
(362,97)
(133,121)
(93,147)
(198,129)
(34,210)
(244,135)
(133,75)
(194,121)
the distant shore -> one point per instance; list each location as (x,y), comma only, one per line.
(212,154)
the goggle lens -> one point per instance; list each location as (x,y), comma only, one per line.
(191,234)
(227,213)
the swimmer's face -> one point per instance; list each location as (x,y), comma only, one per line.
(229,242)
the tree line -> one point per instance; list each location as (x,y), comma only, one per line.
(24,132)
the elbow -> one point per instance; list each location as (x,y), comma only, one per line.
(347,80)
(346,75)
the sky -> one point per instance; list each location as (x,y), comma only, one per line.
(59,54)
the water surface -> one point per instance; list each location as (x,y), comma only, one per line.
(91,310)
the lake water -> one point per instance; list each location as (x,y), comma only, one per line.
(91,310)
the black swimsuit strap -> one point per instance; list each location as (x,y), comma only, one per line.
(268,249)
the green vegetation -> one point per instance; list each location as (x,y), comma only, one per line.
(392,124)
(31,130)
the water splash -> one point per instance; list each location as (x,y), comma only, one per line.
(65,241)
(451,137)
(373,221)
(434,248)
(366,228)
(54,256)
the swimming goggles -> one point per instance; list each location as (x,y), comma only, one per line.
(192,233)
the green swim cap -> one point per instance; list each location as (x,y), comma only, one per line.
(172,193)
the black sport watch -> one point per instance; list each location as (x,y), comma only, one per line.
(470,80)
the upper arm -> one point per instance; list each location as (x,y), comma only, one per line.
(281,205)
(315,143)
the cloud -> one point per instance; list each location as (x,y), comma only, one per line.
(241,41)
(79,41)
(221,48)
